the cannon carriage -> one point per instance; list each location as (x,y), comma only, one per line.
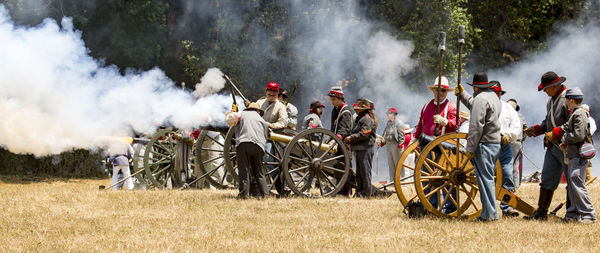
(313,163)
(438,172)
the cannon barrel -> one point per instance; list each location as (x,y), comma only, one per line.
(288,139)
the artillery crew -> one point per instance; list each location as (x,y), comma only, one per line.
(313,119)
(361,140)
(291,110)
(483,141)
(576,133)
(275,113)
(393,137)
(341,125)
(510,128)
(554,165)
(252,132)
(430,119)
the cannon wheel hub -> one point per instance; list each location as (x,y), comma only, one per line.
(316,165)
(458,177)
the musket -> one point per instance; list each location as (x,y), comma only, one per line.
(441,47)
(461,42)
(236,88)
(291,95)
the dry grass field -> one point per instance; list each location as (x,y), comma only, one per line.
(57,215)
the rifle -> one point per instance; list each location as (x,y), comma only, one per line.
(246,101)
(461,42)
(291,95)
(441,47)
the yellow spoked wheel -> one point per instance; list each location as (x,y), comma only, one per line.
(405,185)
(444,176)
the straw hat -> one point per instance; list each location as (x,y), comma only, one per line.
(255,107)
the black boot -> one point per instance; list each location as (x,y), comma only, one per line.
(543,203)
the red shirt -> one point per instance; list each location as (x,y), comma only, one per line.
(426,125)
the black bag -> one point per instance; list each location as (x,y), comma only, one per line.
(415,209)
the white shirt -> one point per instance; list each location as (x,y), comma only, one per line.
(592,126)
(509,121)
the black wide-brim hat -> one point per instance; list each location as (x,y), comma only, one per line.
(550,79)
(480,80)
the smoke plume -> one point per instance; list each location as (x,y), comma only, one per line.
(210,83)
(55,97)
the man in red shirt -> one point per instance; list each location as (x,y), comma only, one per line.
(436,123)
(430,119)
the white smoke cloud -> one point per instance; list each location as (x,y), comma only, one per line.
(54,97)
(571,52)
(210,83)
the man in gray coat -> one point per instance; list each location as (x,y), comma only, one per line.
(393,137)
(556,116)
(252,132)
(483,142)
(576,133)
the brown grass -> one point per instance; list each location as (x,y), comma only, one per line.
(52,215)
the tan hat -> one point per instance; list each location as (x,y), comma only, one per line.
(254,106)
(407,128)
(464,115)
(443,85)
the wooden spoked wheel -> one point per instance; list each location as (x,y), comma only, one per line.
(405,186)
(210,161)
(160,158)
(440,170)
(138,163)
(271,165)
(314,168)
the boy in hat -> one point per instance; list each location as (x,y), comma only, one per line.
(362,140)
(554,165)
(291,110)
(274,110)
(341,123)
(252,132)
(276,115)
(483,140)
(393,136)
(577,132)
(313,119)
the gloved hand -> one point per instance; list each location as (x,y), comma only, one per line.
(505,138)
(271,125)
(232,118)
(247,103)
(438,119)
(459,89)
(470,155)
(550,136)
(530,131)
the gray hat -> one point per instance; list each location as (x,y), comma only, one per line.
(336,91)
(574,93)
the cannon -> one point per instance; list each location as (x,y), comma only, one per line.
(436,167)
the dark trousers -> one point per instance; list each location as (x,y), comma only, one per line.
(249,156)
(364,163)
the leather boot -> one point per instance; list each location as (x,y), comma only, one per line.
(543,203)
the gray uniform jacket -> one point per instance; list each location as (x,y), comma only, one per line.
(341,120)
(275,113)
(251,128)
(311,121)
(292,113)
(557,104)
(577,131)
(484,122)
(363,133)
(394,131)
